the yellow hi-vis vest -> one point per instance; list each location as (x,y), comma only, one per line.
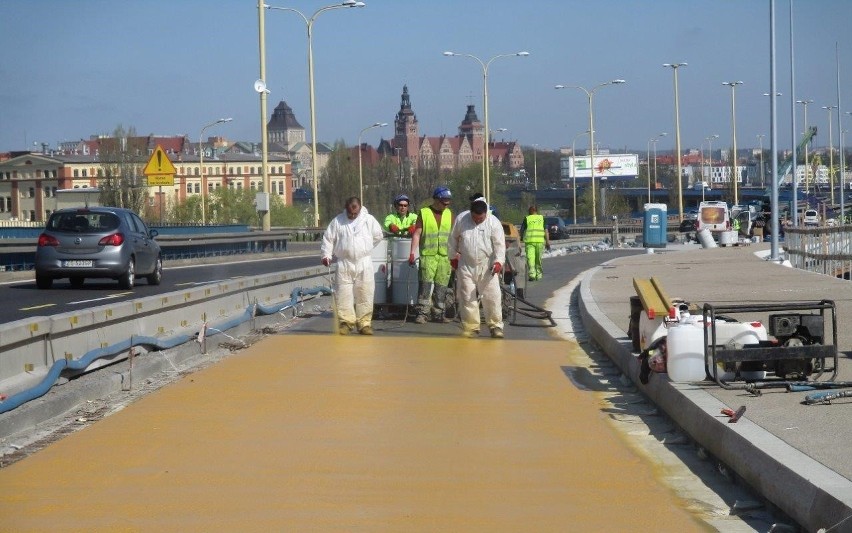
(534,232)
(433,240)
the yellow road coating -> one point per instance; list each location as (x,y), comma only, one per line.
(330,433)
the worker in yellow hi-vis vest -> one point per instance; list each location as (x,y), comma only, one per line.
(430,236)
(536,240)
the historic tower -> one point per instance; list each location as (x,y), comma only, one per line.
(474,131)
(406,135)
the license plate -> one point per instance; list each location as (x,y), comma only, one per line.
(78,263)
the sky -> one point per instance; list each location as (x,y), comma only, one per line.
(69,70)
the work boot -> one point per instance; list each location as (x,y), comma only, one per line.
(366,330)
(420,319)
(344,328)
(496,333)
(440,318)
(470,333)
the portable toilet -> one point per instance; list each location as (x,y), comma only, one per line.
(655,226)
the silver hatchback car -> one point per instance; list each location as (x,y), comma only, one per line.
(97,242)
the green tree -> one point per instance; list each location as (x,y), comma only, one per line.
(123,158)
(339,181)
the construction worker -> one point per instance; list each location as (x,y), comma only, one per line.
(430,236)
(401,222)
(536,240)
(350,239)
(735,225)
(477,250)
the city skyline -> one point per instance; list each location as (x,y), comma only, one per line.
(81,69)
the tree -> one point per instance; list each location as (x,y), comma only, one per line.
(339,182)
(123,158)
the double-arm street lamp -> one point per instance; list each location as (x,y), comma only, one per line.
(309,23)
(675,67)
(734,175)
(590,95)
(653,140)
(201,165)
(486,170)
(360,170)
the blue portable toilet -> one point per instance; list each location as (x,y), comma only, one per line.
(655,226)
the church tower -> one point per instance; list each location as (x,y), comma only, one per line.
(406,132)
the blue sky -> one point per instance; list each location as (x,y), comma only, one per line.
(73,69)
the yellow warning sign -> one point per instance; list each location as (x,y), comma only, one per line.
(159,164)
(161,179)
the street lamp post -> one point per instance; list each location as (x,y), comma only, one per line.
(830,151)
(201,165)
(360,169)
(590,95)
(486,171)
(309,23)
(535,167)
(675,67)
(805,106)
(654,141)
(762,179)
(734,176)
(574,171)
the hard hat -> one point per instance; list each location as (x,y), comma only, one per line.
(442,193)
(401,198)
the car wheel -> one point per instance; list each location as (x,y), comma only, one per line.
(77,281)
(43,282)
(127,279)
(155,277)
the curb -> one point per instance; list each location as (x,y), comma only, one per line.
(810,493)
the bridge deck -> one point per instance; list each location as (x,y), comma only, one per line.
(322,432)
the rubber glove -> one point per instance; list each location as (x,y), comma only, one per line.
(411,229)
(326,261)
(411,260)
(394,228)
(497,268)
(454,263)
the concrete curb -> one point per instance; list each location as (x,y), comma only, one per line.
(811,494)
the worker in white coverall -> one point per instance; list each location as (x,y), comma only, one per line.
(477,251)
(350,239)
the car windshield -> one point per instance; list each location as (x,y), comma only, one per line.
(80,222)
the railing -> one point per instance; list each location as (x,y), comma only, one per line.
(821,250)
(18,254)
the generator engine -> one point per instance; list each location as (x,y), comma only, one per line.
(796,329)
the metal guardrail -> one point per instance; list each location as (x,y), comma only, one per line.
(823,250)
(18,254)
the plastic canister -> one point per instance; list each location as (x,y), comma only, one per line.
(405,279)
(735,335)
(380,272)
(685,351)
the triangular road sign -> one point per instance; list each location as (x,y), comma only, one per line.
(159,164)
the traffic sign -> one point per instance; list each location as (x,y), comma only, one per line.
(159,164)
(161,179)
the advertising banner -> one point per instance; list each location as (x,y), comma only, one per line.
(615,167)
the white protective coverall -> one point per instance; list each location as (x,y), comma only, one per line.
(351,242)
(479,246)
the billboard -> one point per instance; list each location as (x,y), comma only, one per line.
(614,167)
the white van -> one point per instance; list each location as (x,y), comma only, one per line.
(714,216)
(811,217)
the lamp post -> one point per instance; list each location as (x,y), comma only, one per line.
(486,170)
(734,176)
(675,67)
(760,140)
(201,165)
(535,167)
(830,151)
(574,171)
(590,95)
(360,170)
(309,23)
(709,161)
(805,106)
(653,140)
